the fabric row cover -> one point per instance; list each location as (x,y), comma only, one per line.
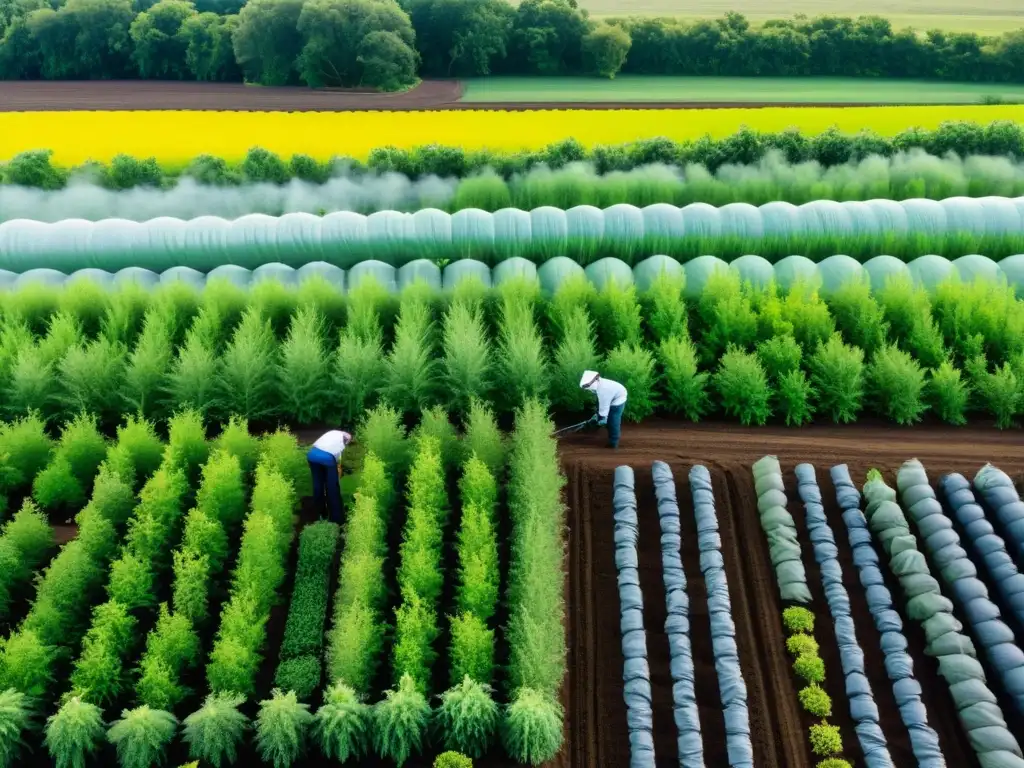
(677,621)
(1004,654)
(342,237)
(780,530)
(636,674)
(989,547)
(731,685)
(986,727)
(999,493)
(899,666)
(863,709)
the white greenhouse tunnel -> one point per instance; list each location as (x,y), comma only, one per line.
(346,238)
(829,274)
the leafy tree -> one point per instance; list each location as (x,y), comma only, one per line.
(267,40)
(159,46)
(389,64)
(335,49)
(209,54)
(547,36)
(461,37)
(604,50)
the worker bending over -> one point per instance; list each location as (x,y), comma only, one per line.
(611,401)
(325,464)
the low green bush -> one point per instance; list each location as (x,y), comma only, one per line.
(826,739)
(382,433)
(684,387)
(300,674)
(215,731)
(743,387)
(523,369)
(411,373)
(307,611)
(468,717)
(575,351)
(633,366)
(281,452)
(26,540)
(171,648)
(25,448)
(815,701)
(131,583)
(282,729)
(798,619)
(236,440)
(98,675)
(452,760)
(343,724)
(896,383)
(468,362)
(305,367)
(834,762)
(248,376)
(142,736)
(15,719)
(74,733)
(664,308)
(779,355)
(794,396)
(435,423)
(859,316)
(810,667)
(837,374)
(800,643)
(400,722)
(483,439)
(532,732)
(948,394)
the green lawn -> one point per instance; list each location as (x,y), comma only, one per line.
(737,89)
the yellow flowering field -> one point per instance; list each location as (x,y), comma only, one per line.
(175,137)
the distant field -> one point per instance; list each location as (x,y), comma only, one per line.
(992,17)
(627,88)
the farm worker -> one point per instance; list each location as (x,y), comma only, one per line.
(325,463)
(611,401)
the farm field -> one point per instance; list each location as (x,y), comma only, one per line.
(176,137)
(951,15)
(596,720)
(721,90)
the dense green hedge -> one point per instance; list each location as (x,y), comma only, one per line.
(830,148)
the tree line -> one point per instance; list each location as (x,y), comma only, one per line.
(386,44)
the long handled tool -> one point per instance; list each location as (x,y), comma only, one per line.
(573,428)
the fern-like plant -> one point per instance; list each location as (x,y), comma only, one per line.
(468,717)
(142,736)
(74,733)
(282,728)
(342,724)
(401,721)
(215,731)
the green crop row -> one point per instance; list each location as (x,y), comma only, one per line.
(532,729)
(26,541)
(300,668)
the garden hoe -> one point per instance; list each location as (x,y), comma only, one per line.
(574,428)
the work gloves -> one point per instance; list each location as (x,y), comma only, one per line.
(595,419)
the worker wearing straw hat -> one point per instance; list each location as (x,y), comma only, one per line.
(325,464)
(611,401)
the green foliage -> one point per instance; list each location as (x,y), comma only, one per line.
(156,517)
(282,729)
(468,717)
(304,629)
(826,739)
(138,438)
(248,379)
(798,619)
(342,725)
(74,733)
(810,667)
(25,542)
(382,433)
(191,576)
(779,355)
(221,493)
(25,449)
(815,701)
(616,313)
(575,352)
(452,760)
(743,387)
(400,722)
(300,674)
(131,582)
(834,762)
(999,393)
(837,375)
(236,440)
(684,388)
(98,675)
(90,376)
(859,316)
(193,378)
(482,437)
(203,538)
(897,384)
(794,397)
(416,630)
(522,365)
(410,378)
(468,360)
(434,423)
(26,664)
(633,367)
(359,365)
(664,309)
(172,647)
(187,448)
(948,394)
(305,366)
(800,643)
(214,732)
(281,452)
(15,719)
(472,652)
(142,736)
(532,732)
(726,316)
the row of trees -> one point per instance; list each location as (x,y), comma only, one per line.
(387,44)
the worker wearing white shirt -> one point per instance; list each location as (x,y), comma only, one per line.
(325,464)
(611,401)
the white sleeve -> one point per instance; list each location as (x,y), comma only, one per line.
(604,402)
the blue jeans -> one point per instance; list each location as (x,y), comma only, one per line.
(615,424)
(326,489)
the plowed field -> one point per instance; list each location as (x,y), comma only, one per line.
(596,714)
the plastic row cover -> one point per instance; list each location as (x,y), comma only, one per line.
(924,741)
(863,709)
(677,621)
(723,630)
(780,529)
(999,493)
(636,675)
(983,721)
(989,548)
(991,741)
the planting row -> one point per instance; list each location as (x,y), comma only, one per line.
(749,353)
(344,237)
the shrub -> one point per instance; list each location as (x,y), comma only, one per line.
(800,643)
(452,760)
(299,674)
(834,762)
(214,732)
(434,423)
(726,316)
(187,449)
(304,630)
(837,374)
(61,605)
(574,353)
(472,648)
(236,440)
(342,725)
(664,308)
(826,739)
(410,374)
(810,667)
(203,537)
(482,437)
(98,675)
(814,700)
(27,663)
(522,365)
(383,434)
(91,375)
(282,728)
(948,394)
(26,541)
(1000,394)
(400,721)
(15,719)
(416,630)
(24,450)
(897,384)
(467,356)
(793,397)
(684,387)
(358,369)
(172,647)
(141,736)
(532,730)
(281,452)
(74,733)
(304,367)
(779,355)
(798,619)
(147,367)
(743,387)
(616,313)
(221,493)
(57,488)
(633,367)
(858,315)
(193,378)
(248,374)
(139,440)
(131,582)
(468,717)
(191,575)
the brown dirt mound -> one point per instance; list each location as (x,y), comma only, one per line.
(596,718)
(130,95)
